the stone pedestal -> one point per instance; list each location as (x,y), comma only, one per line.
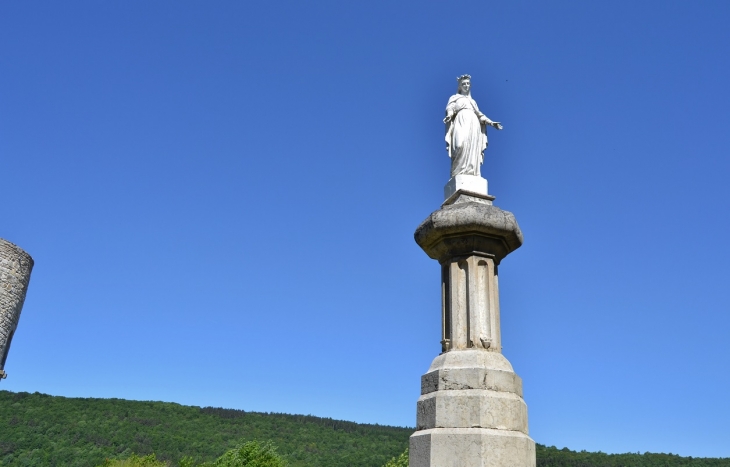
(15,267)
(471,411)
(465,183)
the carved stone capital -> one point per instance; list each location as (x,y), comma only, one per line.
(469,228)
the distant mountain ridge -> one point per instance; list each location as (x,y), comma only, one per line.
(42,430)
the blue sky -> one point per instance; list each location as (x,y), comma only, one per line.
(221,197)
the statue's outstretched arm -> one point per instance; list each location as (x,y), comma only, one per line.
(486,121)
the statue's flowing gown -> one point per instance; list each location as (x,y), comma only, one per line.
(466,138)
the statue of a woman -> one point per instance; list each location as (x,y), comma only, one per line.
(466,132)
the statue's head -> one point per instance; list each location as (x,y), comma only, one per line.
(464,87)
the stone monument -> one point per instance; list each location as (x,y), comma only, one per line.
(15,267)
(471,412)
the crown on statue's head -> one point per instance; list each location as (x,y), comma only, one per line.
(463,77)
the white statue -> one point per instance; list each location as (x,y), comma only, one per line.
(466,132)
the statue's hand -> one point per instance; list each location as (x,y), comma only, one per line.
(497,125)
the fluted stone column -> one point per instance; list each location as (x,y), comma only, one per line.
(471,412)
(15,268)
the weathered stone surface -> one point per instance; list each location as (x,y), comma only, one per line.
(471,369)
(462,196)
(462,229)
(470,304)
(471,389)
(471,412)
(15,268)
(471,447)
(472,408)
(471,378)
(471,359)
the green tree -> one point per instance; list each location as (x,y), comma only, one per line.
(250,454)
(400,461)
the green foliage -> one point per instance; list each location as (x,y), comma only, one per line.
(42,430)
(400,461)
(554,457)
(135,461)
(251,454)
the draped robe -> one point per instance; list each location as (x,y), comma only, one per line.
(466,137)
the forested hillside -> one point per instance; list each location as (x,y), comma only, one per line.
(553,457)
(37,429)
(42,430)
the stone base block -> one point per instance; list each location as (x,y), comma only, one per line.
(472,408)
(471,378)
(471,447)
(471,413)
(467,183)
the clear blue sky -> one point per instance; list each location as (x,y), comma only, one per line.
(221,196)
